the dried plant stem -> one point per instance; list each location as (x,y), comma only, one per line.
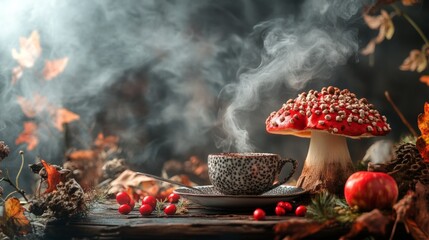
(17,190)
(401,116)
(412,23)
(21,153)
(393,230)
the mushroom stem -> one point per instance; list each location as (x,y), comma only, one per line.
(328,164)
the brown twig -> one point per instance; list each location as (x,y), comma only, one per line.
(401,116)
(18,190)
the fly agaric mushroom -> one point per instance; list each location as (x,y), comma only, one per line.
(328,117)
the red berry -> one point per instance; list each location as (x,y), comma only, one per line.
(124,209)
(173,198)
(149,200)
(145,209)
(287,206)
(170,209)
(132,204)
(300,211)
(123,198)
(259,214)
(280,211)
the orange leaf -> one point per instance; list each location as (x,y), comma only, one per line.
(106,142)
(54,177)
(14,214)
(54,67)
(423,124)
(28,135)
(29,51)
(409,2)
(33,107)
(64,116)
(425,79)
(82,155)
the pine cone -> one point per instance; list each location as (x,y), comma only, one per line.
(4,150)
(407,168)
(66,202)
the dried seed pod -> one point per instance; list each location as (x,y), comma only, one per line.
(4,150)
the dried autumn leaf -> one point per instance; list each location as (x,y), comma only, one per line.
(402,209)
(409,2)
(28,135)
(82,155)
(294,229)
(369,48)
(86,167)
(16,74)
(415,230)
(385,27)
(63,116)
(29,51)
(54,67)
(422,141)
(425,79)
(373,222)
(106,142)
(54,177)
(132,179)
(32,107)
(416,61)
(14,217)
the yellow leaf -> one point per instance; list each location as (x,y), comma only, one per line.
(423,62)
(387,25)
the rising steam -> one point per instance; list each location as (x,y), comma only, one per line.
(189,52)
(294,51)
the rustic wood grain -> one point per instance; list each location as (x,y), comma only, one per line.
(104,222)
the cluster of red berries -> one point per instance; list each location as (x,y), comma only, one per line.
(127,203)
(281,209)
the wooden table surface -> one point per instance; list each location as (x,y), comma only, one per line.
(104,222)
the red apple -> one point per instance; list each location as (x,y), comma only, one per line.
(370,190)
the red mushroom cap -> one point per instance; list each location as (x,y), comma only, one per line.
(333,110)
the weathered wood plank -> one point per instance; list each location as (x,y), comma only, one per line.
(104,222)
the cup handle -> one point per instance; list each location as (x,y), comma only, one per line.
(294,165)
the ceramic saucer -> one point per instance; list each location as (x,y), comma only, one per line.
(210,197)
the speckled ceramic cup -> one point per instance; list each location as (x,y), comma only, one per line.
(246,173)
